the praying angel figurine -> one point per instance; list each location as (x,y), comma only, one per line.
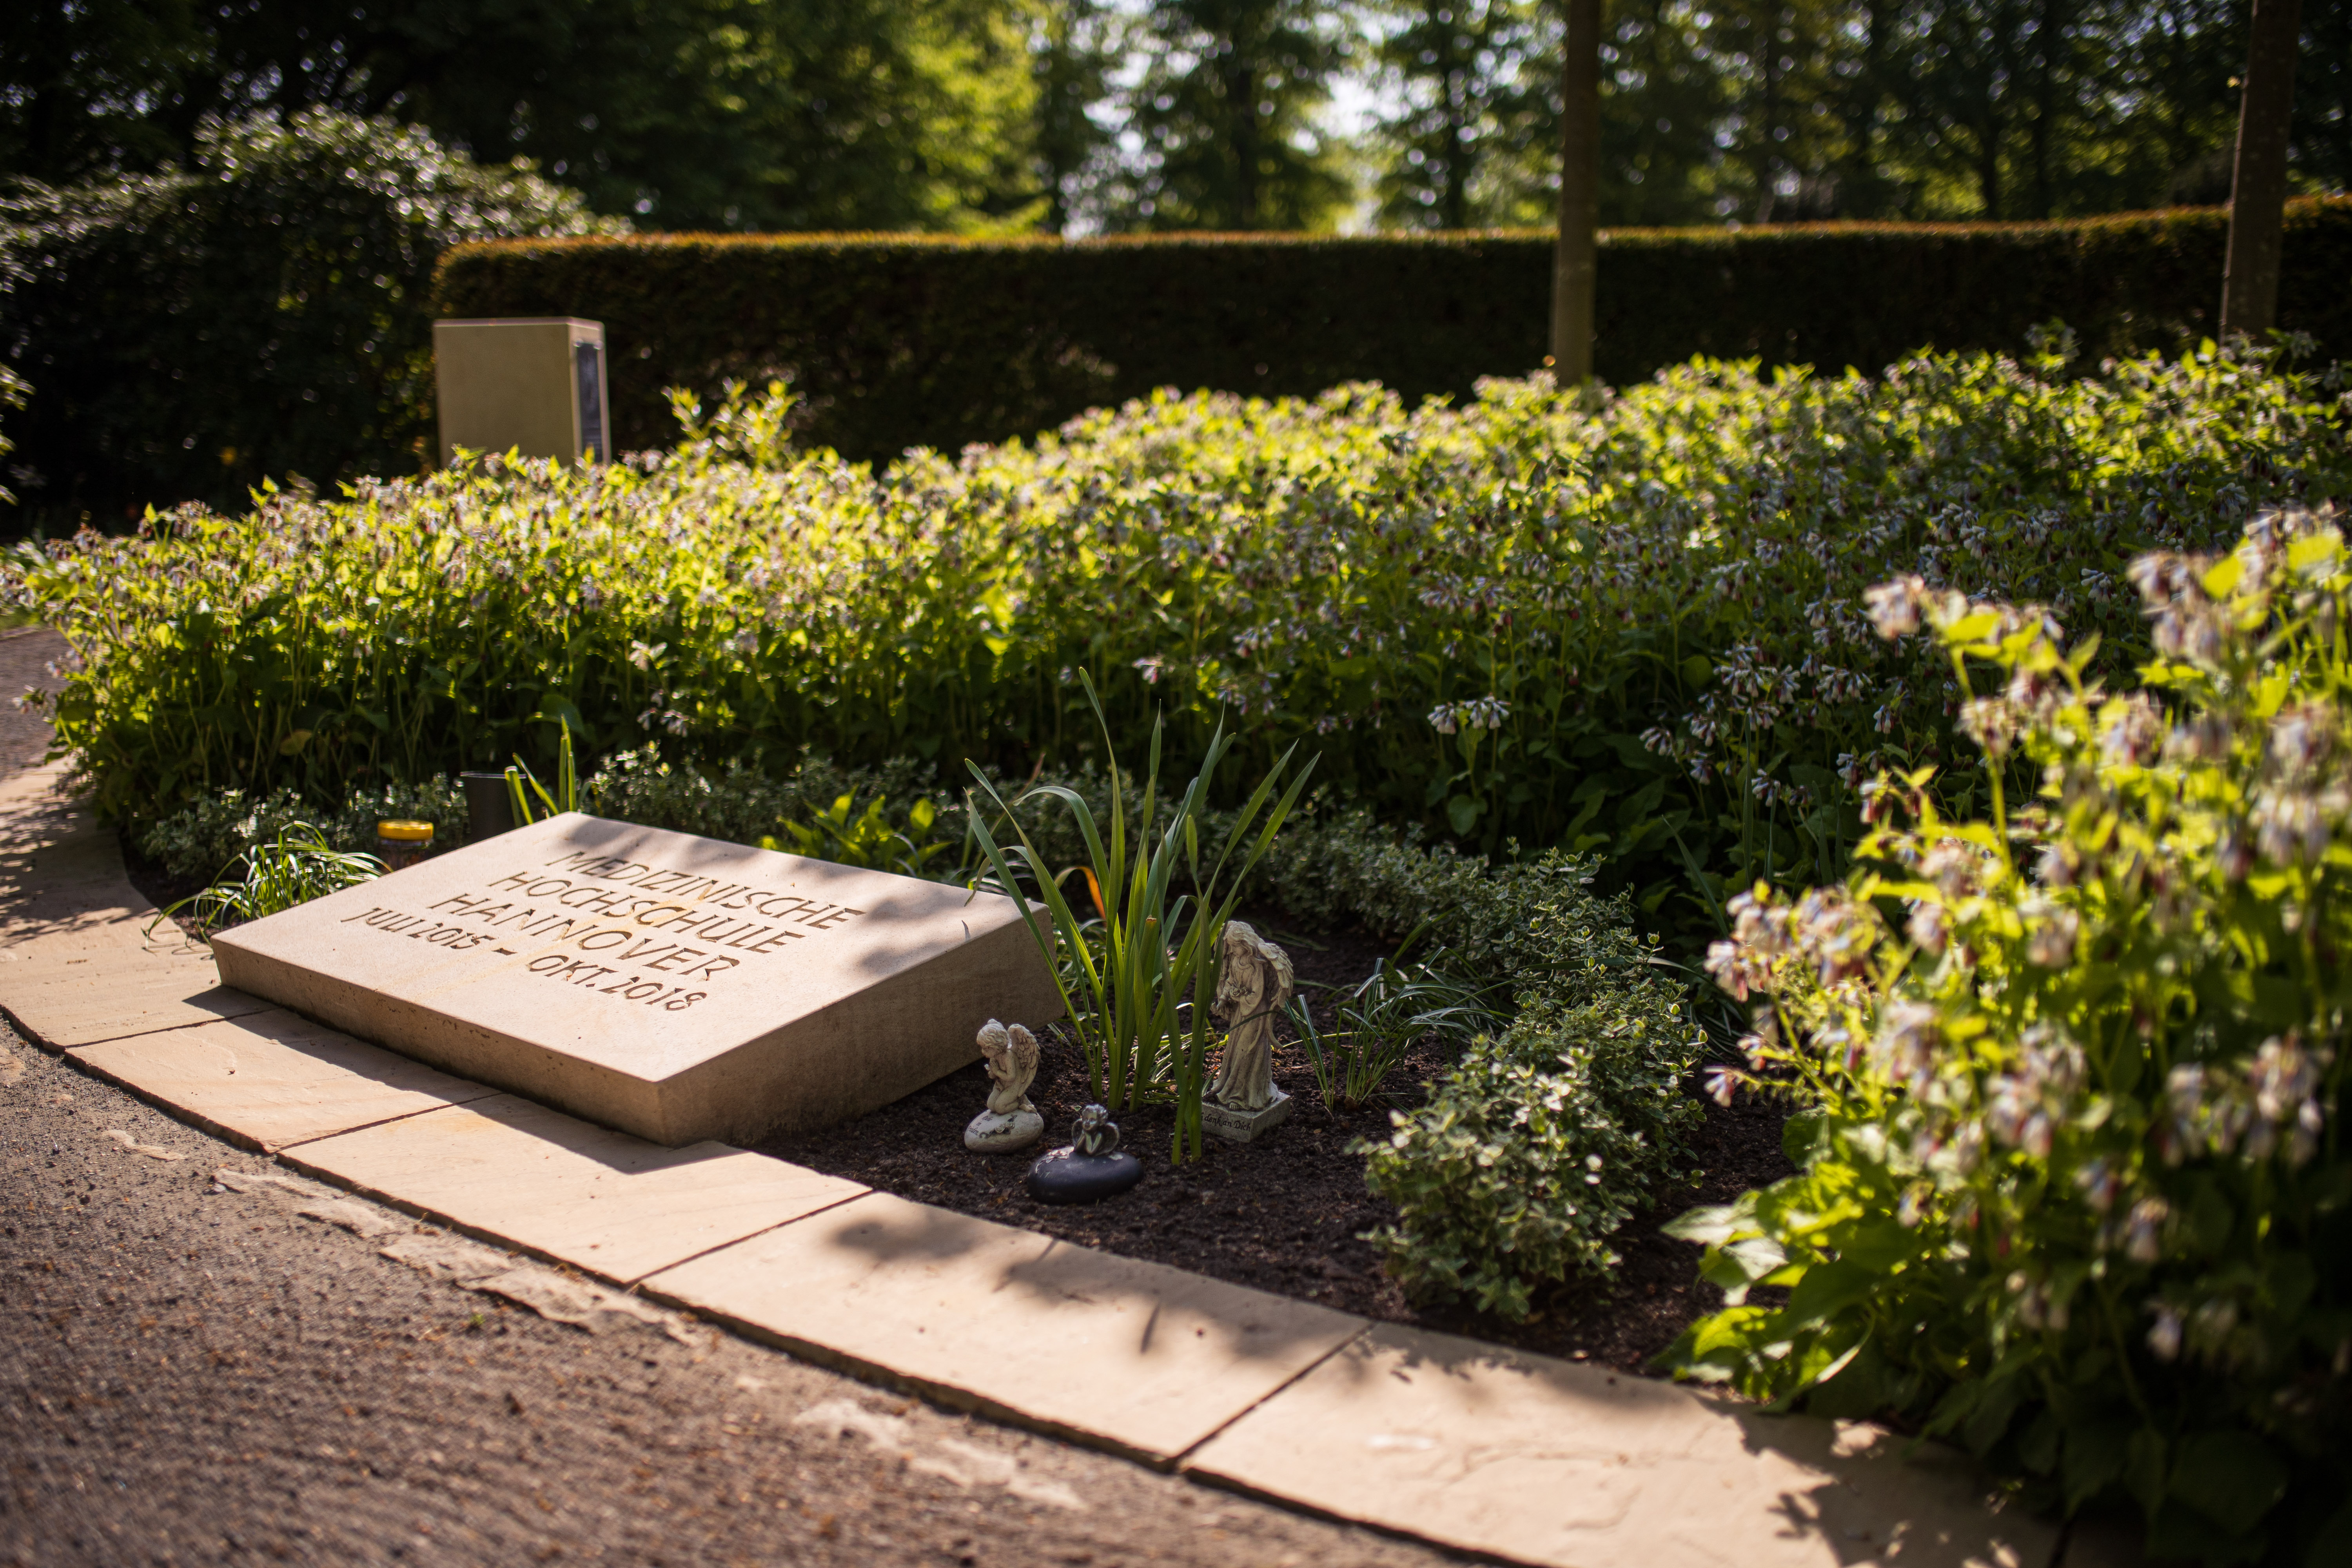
(1009,1122)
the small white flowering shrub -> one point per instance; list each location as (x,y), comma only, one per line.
(2074,1189)
(1542,1141)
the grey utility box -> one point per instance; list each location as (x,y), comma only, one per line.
(534,384)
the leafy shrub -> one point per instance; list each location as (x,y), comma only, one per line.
(848,837)
(742,805)
(205,838)
(902,340)
(2076,1191)
(1636,630)
(265,313)
(294,866)
(1544,1138)
(13,393)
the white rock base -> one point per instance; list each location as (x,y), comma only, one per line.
(993,1133)
(1244,1126)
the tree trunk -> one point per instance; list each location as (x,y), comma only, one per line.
(1456,201)
(1241,88)
(2250,277)
(1575,262)
(1767,192)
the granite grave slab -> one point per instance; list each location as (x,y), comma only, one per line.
(675,987)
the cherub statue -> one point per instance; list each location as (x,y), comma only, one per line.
(1254,985)
(1009,1122)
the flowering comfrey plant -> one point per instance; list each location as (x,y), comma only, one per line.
(1631,627)
(2073,1189)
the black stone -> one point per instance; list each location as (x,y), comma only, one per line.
(1066,1176)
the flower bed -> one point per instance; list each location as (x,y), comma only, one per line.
(2074,1189)
(1544,629)
(1635,629)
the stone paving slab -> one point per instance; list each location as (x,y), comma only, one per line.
(272,1080)
(1143,1358)
(136,996)
(1548,1462)
(602,1200)
(1471,1445)
(52,948)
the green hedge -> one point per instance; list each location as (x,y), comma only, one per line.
(896,340)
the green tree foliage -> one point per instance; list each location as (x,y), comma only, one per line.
(1075,48)
(188,333)
(1469,75)
(1765,110)
(684,113)
(1223,118)
(94,86)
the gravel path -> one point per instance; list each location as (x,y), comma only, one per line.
(190,1375)
(196,1374)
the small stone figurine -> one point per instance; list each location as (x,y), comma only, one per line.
(1088,1167)
(1255,983)
(1009,1122)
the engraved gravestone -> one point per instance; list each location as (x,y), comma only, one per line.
(675,987)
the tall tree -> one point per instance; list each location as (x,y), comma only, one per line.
(682,113)
(1575,265)
(2321,154)
(2258,187)
(91,87)
(1467,74)
(1075,48)
(1223,114)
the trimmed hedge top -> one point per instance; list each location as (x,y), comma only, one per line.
(902,340)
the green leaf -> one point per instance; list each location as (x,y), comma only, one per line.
(2093,1458)
(2231,1478)
(1739,1264)
(2332,1547)
(1988,1420)
(1803,1136)
(1867,1386)
(1462,811)
(1828,1290)
(1712,1225)
(2144,1469)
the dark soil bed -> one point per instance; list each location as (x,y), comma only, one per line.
(1286,1214)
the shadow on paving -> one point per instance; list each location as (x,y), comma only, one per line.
(194,1375)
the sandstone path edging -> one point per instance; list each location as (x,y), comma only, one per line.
(1469,1446)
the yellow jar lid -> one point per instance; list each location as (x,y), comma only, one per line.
(405,832)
